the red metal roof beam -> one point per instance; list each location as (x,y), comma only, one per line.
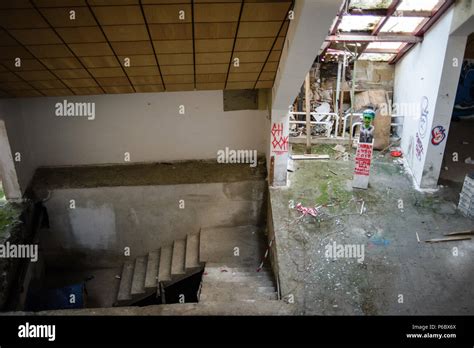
(390,11)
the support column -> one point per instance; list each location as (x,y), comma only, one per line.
(308,28)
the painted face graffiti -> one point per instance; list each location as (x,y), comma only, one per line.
(422,126)
(437,135)
(419,147)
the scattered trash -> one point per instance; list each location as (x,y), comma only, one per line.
(339,148)
(469,160)
(333,172)
(362,208)
(310,157)
(417,237)
(307,210)
(445,168)
(224,270)
(396,153)
(465,143)
(379,242)
(117,277)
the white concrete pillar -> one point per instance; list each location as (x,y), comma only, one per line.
(7,167)
(306,34)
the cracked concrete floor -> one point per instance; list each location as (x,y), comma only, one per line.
(398,275)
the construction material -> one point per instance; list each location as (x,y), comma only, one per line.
(310,157)
(382,130)
(459,233)
(466,199)
(308,115)
(447,239)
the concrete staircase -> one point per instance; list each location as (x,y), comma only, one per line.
(145,275)
(231,257)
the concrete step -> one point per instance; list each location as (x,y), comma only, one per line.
(179,254)
(236,295)
(164,273)
(218,245)
(240,281)
(236,271)
(245,288)
(139,272)
(151,278)
(192,251)
(126,282)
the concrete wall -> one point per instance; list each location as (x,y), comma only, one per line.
(427,73)
(105,220)
(147,125)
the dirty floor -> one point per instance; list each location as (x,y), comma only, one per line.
(397,275)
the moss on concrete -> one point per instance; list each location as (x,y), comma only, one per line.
(9,217)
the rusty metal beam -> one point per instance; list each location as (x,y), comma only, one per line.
(374,38)
(390,11)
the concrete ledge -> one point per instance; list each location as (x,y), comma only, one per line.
(143,174)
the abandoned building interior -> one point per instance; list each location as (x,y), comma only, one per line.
(241,157)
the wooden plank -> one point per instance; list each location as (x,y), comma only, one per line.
(308,113)
(459,233)
(309,157)
(447,239)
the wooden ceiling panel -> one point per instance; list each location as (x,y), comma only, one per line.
(87,90)
(215,45)
(149,88)
(9,77)
(118,89)
(36,75)
(22,19)
(253,44)
(240,85)
(26,93)
(246,67)
(26,64)
(142,71)
(114,15)
(100,62)
(81,34)
(172,79)
(179,87)
(89,54)
(50,51)
(13,52)
(168,13)
(259,29)
(267,76)
(242,77)
(177,70)
(211,78)
(171,31)
(61,63)
(59,3)
(35,36)
(216,12)
(61,17)
(173,46)
(213,58)
(91,49)
(80,83)
(210,86)
(126,32)
(274,56)
(71,73)
(48,84)
(106,72)
(211,68)
(215,30)
(55,92)
(264,84)
(132,48)
(15,86)
(113,81)
(146,80)
(139,60)
(175,59)
(265,11)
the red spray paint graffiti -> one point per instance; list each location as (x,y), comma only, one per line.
(279,141)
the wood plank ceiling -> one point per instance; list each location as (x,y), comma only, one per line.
(176,45)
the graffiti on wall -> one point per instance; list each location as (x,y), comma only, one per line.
(279,140)
(438,134)
(423,124)
(418,147)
